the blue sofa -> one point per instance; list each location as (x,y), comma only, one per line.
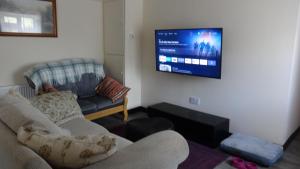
(81,76)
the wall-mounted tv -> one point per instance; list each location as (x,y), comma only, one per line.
(195,52)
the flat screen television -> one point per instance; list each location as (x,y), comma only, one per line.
(195,52)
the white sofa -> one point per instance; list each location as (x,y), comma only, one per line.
(164,150)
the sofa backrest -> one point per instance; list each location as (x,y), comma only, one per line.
(78,75)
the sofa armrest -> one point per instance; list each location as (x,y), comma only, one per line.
(29,159)
(125,111)
(163,150)
(15,155)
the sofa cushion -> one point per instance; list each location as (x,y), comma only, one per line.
(16,112)
(253,149)
(86,106)
(79,127)
(87,85)
(59,107)
(112,89)
(67,151)
(103,102)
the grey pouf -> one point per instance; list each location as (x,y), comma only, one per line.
(253,149)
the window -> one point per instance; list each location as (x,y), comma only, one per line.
(11,20)
(17,22)
(27,23)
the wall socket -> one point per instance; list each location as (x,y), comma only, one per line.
(195,100)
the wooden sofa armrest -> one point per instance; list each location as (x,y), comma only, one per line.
(125,111)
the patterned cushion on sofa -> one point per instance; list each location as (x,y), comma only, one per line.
(16,111)
(59,107)
(112,89)
(67,151)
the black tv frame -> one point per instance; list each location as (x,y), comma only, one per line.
(220,77)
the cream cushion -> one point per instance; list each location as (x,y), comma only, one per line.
(79,127)
(59,107)
(67,151)
(16,112)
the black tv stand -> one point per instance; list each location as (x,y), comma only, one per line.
(201,127)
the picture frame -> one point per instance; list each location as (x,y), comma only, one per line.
(33,18)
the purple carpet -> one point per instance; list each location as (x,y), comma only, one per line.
(200,157)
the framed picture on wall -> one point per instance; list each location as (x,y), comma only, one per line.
(28,18)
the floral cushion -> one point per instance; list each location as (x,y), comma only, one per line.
(67,151)
(59,107)
(16,111)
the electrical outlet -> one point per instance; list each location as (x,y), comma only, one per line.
(195,100)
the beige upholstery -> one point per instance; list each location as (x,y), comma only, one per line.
(81,127)
(67,151)
(14,155)
(121,142)
(164,150)
(16,112)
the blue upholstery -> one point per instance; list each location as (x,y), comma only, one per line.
(253,149)
(81,76)
(88,100)
(87,85)
(87,107)
(84,88)
(98,103)
(103,102)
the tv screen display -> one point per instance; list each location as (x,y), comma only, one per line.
(195,52)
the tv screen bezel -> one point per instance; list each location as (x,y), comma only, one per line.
(195,75)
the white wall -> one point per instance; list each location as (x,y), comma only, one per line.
(123,24)
(259,38)
(133,50)
(114,34)
(293,122)
(79,35)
